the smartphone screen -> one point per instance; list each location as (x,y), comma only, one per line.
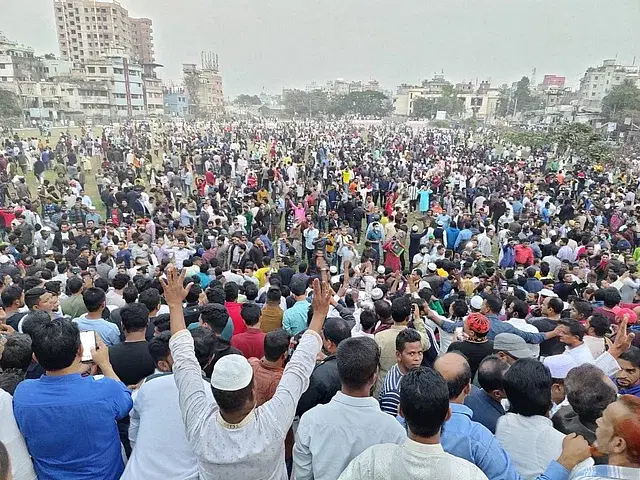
(88,340)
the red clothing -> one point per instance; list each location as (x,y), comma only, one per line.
(250,343)
(233,308)
(211,178)
(523,255)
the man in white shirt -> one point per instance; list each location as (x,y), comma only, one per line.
(424,403)
(156,424)
(330,436)
(526,432)
(10,436)
(484,241)
(231,436)
(517,311)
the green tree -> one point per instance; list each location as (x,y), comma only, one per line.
(423,107)
(9,104)
(505,101)
(298,102)
(525,100)
(367,103)
(623,97)
(246,100)
(449,101)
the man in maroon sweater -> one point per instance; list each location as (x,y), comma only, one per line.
(250,342)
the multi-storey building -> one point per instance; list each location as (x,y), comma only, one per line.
(480,100)
(87,29)
(142,40)
(176,101)
(598,81)
(204,87)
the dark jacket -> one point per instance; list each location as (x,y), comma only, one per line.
(323,385)
(566,420)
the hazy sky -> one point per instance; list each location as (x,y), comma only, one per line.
(290,43)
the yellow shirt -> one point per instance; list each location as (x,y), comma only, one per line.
(346,176)
(260,274)
(442,272)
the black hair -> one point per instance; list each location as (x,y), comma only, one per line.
(150,298)
(424,400)
(32,297)
(336,330)
(491,373)
(232,401)
(494,303)
(10,379)
(556,304)
(130,293)
(585,309)
(408,335)
(10,295)
(576,329)
(120,281)
(214,315)
(460,308)
(400,309)
(215,295)
(632,355)
(101,283)
(162,322)
(368,320)
(274,294)
(93,298)
(520,307)
(528,387)
(204,342)
(56,344)
(17,352)
(194,293)
(276,343)
(230,292)
(74,284)
(135,317)
(382,308)
(357,360)
(611,297)
(33,320)
(250,290)
(600,324)
(298,287)
(250,313)
(159,347)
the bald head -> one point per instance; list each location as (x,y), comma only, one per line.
(455,369)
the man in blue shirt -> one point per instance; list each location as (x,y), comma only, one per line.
(294,320)
(463,437)
(491,307)
(485,401)
(69,421)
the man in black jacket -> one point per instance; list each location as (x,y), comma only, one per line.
(325,381)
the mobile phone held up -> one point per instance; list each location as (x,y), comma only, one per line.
(88,341)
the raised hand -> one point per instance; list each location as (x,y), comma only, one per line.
(321,302)
(174,289)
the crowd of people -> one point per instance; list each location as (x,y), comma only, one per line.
(315,300)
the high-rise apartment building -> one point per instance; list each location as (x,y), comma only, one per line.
(142,40)
(87,29)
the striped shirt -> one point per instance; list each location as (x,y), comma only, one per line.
(390,393)
(413,192)
(602,472)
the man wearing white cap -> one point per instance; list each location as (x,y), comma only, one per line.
(231,436)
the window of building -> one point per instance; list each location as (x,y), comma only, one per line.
(91,69)
(103,69)
(4,79)
(73,32)
(60,18)
(75,49)
(593,94)
(607,82)
(2,67)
